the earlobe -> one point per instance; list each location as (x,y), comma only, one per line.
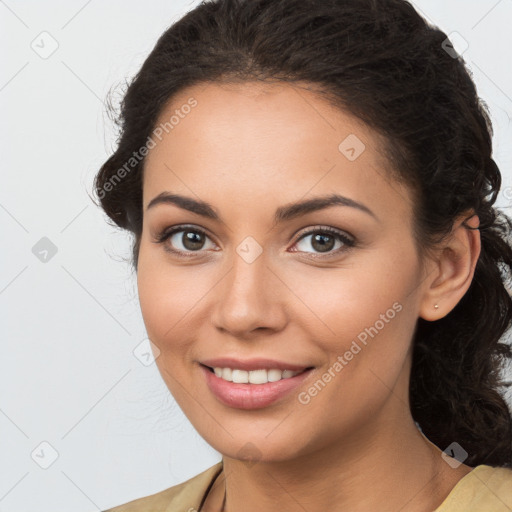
(453,270)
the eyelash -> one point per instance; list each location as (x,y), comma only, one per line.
(165,234)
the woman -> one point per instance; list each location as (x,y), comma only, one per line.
(320,268)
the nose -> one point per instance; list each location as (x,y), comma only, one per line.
(250,298)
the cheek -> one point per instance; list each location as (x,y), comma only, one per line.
(173,298)
(168,295)
(357,300)
(364,321)
(165,294)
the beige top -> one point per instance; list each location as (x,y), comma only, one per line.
(483,489)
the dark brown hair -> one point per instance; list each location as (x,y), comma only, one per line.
(380,61)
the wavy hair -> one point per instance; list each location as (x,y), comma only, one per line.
(382,62)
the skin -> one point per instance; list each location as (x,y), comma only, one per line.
(248,149)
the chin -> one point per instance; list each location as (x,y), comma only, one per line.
(258,446)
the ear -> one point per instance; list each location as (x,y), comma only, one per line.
(452,270)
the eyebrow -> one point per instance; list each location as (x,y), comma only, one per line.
(283,213)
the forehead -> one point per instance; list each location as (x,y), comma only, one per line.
(274,141)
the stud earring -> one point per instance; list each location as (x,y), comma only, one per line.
(436,306)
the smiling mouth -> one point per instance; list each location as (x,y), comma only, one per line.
(260,376)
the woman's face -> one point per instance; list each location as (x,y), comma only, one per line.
(257,283)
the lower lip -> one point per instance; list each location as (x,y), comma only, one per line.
(251,396)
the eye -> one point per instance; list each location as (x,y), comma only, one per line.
(324,239)
(184,241)
(181,240)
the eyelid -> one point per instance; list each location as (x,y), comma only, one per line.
(324,229)
(169,231)
(162,236)
(348,240)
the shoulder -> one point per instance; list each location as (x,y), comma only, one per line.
(484,489)
(184,497)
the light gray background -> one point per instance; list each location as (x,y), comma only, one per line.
(68,373)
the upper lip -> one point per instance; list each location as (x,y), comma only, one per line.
(252,364)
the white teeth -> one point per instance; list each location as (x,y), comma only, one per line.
(274,375)
(253,376)
(258,377)
(240,376)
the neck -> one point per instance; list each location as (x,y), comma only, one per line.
(377,469)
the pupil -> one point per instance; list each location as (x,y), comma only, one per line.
(322,245)
(192,240)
